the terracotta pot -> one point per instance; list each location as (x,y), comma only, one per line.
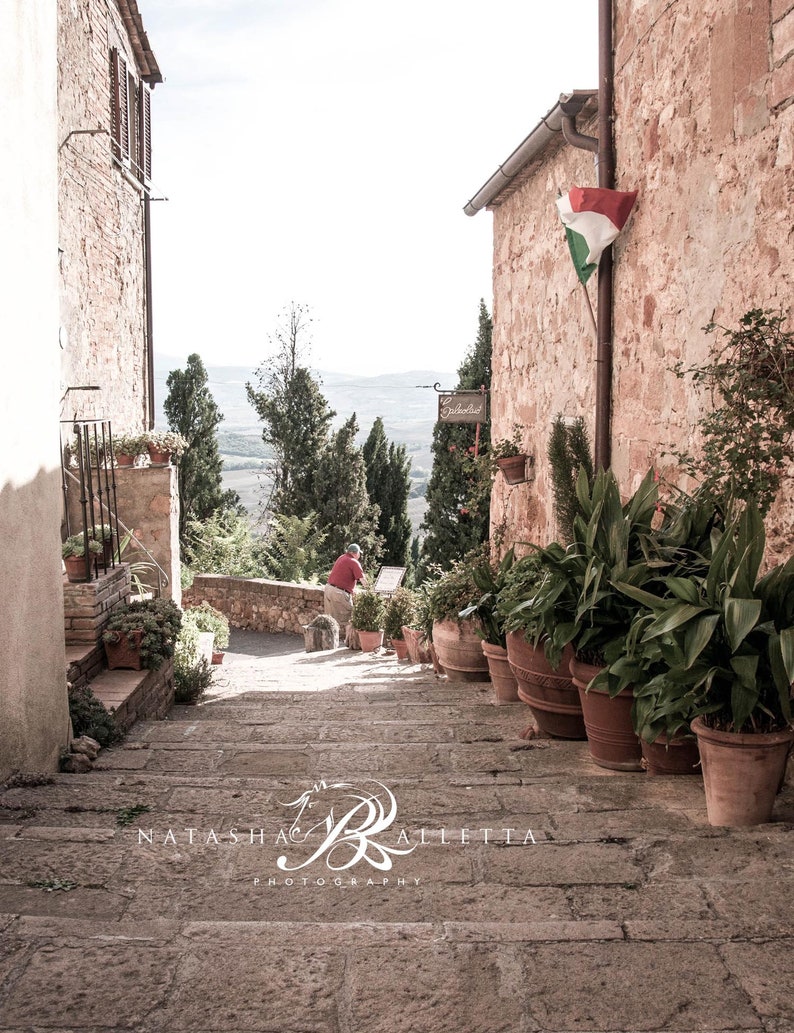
(370,641)
(459,650)
(124,460)
(514,468)
(159,458)
(549,693)
(742,772)
(75,569)
(610,732)
(679,756)
(126,652)
(502,677)
(400,648)
(418,653)
(217,658)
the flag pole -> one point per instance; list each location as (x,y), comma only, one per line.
(590,310)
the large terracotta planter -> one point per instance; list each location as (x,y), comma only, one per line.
(610,732)
(502,678)
(158,458)
(742,772)
(418,653)
(370,641)
(124,651)
(400,648)
(678,756)
(459,650)
(549,693)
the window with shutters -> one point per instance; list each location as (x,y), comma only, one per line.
(130,119)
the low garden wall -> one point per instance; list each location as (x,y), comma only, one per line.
(257,604)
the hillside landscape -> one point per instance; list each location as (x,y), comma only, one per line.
(406,402)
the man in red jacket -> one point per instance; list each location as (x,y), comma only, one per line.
(345,574)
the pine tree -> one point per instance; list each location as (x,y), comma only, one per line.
(345,513)
(191,410)
(453,524)
(295,415)
(388,486)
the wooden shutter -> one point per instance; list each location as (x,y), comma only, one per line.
(145,132)
(119,106)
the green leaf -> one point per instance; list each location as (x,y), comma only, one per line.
(787,651)
(741,616)
(684,589)
(675,617)
(698,636)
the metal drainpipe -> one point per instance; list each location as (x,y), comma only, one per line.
(606,178)
(147,288)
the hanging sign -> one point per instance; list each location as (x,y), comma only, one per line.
(463,407)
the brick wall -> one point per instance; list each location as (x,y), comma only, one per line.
(88,605)
(257,604)
(704,130)
(100,227)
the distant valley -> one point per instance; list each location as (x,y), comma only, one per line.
(406,402)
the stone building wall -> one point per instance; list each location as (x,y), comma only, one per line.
(704,130)
(257,604)
(147,502)
(103,315)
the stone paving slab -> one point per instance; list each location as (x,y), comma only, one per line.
(628,913)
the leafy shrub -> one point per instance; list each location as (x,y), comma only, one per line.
(89,717)
(206,618)
(192,673)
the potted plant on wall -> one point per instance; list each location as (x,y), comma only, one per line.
(209,620)
(127,448)
(73,551)
(142,634)
(490,581)
(730,637)
(163,445)
(400,614)
(368,618)
(509,456)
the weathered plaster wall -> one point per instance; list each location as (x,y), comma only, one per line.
(101,228)
(705,131)
(34,716)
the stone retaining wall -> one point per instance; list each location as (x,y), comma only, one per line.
(257,604)
(88,605)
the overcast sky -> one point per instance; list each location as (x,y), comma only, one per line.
(321,151)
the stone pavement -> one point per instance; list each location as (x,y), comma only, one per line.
(613,907)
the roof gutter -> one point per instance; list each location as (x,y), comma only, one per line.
(566,109)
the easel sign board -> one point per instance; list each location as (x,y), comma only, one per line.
(389,579)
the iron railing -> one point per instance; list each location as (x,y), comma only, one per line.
(88,470)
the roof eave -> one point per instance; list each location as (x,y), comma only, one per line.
(148,68)
(530,148)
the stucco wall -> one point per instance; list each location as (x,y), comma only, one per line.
(101,228)
(33,702)
(704,131)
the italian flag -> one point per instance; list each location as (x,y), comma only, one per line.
(593,217)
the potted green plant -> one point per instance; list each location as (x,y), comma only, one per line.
(727,635)
(545,687)
(509,456)
(579,604)
(454,638)
(163,445)
(73,551)
(400,613)
(127,448)
(207,619)
(142,634)
(368,618)
(490,579)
